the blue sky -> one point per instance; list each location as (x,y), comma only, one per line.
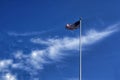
(34,44)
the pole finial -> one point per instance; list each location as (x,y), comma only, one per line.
(80,18)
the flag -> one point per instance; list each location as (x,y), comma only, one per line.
(73,26)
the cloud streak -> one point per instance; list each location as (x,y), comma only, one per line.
(56,46)
(29,33)
(55,49)
(90,37)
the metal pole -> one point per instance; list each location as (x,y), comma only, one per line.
(80,43)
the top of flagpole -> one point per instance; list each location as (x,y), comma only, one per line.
(80,18)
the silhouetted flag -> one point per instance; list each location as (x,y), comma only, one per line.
(73,26)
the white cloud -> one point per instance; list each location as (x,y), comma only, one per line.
(58,45)
(54,51)
(38,41)
(19,55)
(9,76)
(4,64)
(90,37)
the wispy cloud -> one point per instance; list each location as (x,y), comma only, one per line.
(9,76)
(4,64)
(29,33)
(90,37)
(25,34)
(56,46)
(54,51)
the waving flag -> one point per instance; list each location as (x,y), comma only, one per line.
(73,26)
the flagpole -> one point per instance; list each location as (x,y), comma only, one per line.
(80,44)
